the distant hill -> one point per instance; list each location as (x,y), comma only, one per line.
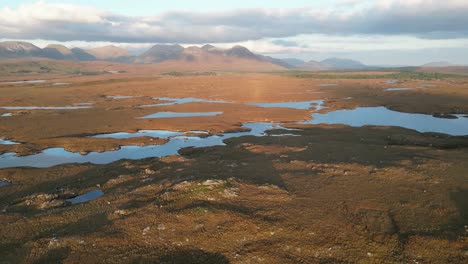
(438,64)
(173,57)
(294,62)
(111,53)
(333,64)
(16,49)
(82,55)
(60,52)
(19,49)
(210,57)
(159,53)
(314,66)
(343,64)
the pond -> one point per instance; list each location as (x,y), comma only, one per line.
(176,101)
(23,82)
(89,196)
(382,116)
(177,114)
(44,107)
(7,142)
(398,89)
(317,104)
(4,183)
(55,156)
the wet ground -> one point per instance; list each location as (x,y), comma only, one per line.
(278,176)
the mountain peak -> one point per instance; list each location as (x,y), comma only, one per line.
(60,48)
(109,52)
(19,49)
(208,47)
(241,52)
(339,63)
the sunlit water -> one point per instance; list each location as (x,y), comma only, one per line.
(176,114)
(317,104)
(120,96)
(398,89)
(24,82)
(55,156)
(176,101)
(375,116)
(381,116)
(44,107)
(7,142)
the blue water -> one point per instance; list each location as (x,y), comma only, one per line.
(81,104)
(376,116)
(175,114)
(317,104)
(89,196)
(56,156)
(4,183)
(176,101)
(44,107)
(19,82)
(398,89)
(7,142)
(381,116)
(141,133)
(120,96)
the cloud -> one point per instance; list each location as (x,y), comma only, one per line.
(285,43)
(429,19)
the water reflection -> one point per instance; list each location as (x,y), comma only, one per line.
(89,196)
(381,116)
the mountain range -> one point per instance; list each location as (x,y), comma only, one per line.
(207,57)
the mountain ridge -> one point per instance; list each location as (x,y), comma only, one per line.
(173,54)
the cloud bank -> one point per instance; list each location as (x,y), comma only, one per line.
(431,19)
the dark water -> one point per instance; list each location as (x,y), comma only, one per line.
(4,183)
(89,196)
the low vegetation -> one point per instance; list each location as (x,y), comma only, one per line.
(402,75)
(176,73)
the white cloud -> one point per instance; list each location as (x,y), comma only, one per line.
(65,22)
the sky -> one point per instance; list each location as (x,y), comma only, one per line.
(376,32)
